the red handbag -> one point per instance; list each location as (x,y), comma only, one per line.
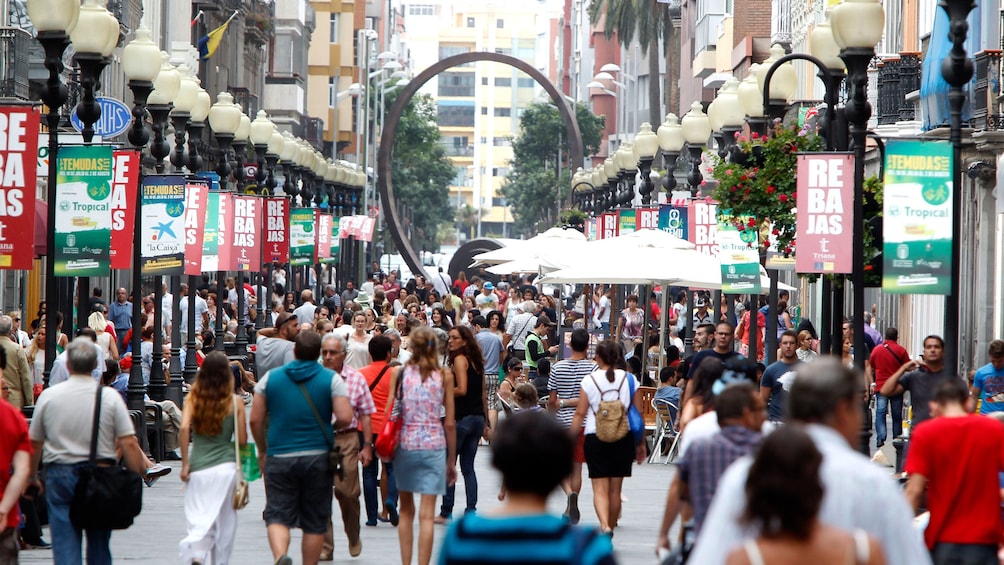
(388,438)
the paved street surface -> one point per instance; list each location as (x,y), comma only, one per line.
(154,537)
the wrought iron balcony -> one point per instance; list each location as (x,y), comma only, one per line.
(986,113)
(15,45)
(897,77)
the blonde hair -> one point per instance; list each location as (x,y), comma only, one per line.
(96,321)
(424,348)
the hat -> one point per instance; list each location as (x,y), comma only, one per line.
(700,303)
(543,320)
(489,285)
(281,320)
(362,299)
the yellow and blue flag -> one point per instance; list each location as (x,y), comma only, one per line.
(211,41)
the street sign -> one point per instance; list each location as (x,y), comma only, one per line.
(115,118)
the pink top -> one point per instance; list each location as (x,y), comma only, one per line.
(421,411)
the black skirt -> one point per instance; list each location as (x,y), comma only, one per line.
(605,460)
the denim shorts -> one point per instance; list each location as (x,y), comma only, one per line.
(298,492)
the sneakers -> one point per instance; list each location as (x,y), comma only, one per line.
(881,459)
(573,508)
(156,472)
(284,560)
(327,556)
(356,547)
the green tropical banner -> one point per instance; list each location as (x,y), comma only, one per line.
(83,229)
(210,234)
(917,217)
(302,236)
(738,245)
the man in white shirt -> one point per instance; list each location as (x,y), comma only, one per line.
(601,310)
(518,326)
(305,312)
(487,300)
(201,314)
(826,398)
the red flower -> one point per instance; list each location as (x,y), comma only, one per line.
(776,231)
(755,135)
(747,192)
(770,190)
(743,178)
(782,198)
(732,189)
(751,223)
(704,183)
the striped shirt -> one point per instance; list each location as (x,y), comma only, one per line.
(536,539)
(566,380)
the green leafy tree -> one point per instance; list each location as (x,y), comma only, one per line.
(468,216)
(421,172)
(538,183)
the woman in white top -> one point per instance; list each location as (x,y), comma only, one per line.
(97,322)
(608,462)
(358,354)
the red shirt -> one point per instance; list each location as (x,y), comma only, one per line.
(380,393)
(14,431)
(960,457)
(886,359)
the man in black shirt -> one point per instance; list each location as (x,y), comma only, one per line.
(722,350)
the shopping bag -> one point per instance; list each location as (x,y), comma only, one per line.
(249,462)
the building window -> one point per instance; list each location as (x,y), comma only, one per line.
(334,27)
(470,22)
(455,115)
(525,82)
(500,24)
(503,82)
(332,92)
(503,51)
(502,141)
(484,112)
(503,112)
(500,171)
(446,51)
(456,84)
(421,10)
(484,81)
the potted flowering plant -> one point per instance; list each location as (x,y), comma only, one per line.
(761,182)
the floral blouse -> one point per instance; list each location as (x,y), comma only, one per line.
(421,409)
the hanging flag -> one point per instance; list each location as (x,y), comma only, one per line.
(196,19)
(163,209)
(209,42)
(246,248)
(276,230)
(125,175)
(195,225)
(18,150)
(211,233)
(83,229)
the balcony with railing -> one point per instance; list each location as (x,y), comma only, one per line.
(986,92)
(15,45)
(451,150)
(780,22)
(898,76)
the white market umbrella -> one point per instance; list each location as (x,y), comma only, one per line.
(553,242)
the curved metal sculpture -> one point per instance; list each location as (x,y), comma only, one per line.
(385,183)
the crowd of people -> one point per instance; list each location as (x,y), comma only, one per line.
(767,471)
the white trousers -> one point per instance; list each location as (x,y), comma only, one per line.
(211,518)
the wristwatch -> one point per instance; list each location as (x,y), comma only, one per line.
(369,444)
(561,403)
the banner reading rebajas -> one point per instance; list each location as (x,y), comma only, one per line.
(163,217)
(125,175)
(323,237)
(17,186)
(276,230)
(83,229)
(246,251)
(917,217)
(702,226)
(826,213)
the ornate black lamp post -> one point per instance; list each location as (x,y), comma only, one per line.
(957,69)
(671,142)
(646,145)
(53,19)
(696,131)
(142,66)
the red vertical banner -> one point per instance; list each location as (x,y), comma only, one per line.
(825,198)
(225,232)
(125,177)
(647,218)
(196,196)
(276,230)
(609,225)
(366,227)
(702,226)
(246,244)
(323,235)
(19,126)
(344,225)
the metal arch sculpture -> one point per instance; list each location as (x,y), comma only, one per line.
(385,183)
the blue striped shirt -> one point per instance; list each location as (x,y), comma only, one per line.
(537,539)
